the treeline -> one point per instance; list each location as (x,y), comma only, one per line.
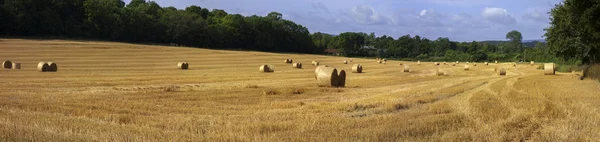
(143,21)
(146,21)
(441,49)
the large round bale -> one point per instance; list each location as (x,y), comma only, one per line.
(42,67)
(379,61)
(436,63)
(486,63)
(315,63)
(419,63)
(474,64)
(357,68)
(345,61)
(445,63)
(288,61)
(341,79)
(514,64)
(496,62)
(549,69)
(466,67)
(182,65)
(457,62)
(406,68)
(351,60)
(319,69)
(439,72)
(327,77)
(297,65)
(453,64)
(7,64)
(532,63)
(385,60)
(501,71)
(16,66)
(52,67)
(265,68)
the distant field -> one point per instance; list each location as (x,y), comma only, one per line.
(106,91)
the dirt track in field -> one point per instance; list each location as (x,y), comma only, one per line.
(106,91)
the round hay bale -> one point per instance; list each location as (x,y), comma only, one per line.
(351,60)
(502,71)
(401,63)
(341,79)
(265,68)
(315,63)
(406,68)
(532,63)
(496,62)
(357,68)
(385,60)
(486,63)
(514,64)
(436,63)
(379,61)
(297,65)
(345,61)
(445,63)
(466,67)
(549,69)
(319,69)
(7,64)
(326,77)
(419,63)
(439,72)
(289,61)
(474,64)
(52,67)
(42,67)
(16,66)
(182,65)
(457,62)
(453,64)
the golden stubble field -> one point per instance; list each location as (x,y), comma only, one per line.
(105,91)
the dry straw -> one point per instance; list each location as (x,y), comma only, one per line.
(183,65)
(328,77)
(406,68)
(7,64)
(288,61)
(315,63)
(42,67)
(439,72)
(16,66)
(466,67)
(52,67)
(266,68)
(297,65)
(319,69)
(502,71)
(357,68)
(549,69)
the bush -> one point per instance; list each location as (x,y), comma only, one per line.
(592,72)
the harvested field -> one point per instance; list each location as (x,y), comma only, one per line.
(107,91)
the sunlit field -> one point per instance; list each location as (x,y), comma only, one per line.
(107,91)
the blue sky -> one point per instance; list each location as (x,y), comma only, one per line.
(459,20)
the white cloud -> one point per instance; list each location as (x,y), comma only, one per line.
(498,15)
(366,15)
(423,12)
(536,15)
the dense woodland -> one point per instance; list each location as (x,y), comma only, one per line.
(573,35)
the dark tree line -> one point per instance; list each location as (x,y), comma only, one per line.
(573,34)
(142,21)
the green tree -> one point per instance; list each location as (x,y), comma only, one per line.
(516,39)
(573,31)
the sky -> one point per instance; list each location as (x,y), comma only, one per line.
(459,20)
